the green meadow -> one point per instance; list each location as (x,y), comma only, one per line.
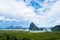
(23,35)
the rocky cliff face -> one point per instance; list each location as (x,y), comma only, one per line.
(33,27)
(56,28)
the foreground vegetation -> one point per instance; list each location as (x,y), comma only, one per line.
(23,35)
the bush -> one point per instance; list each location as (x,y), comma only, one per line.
(26,39)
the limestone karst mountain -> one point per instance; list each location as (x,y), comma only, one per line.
(56,28)
(33,27)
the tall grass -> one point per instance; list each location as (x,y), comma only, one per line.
(23,35)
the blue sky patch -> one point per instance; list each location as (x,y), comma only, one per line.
(41,0)
(35,5)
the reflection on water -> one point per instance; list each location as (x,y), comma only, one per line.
(32,31)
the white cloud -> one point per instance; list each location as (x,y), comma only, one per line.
(8,19)
(2,17)
(12,10)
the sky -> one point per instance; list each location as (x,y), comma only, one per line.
(43,13)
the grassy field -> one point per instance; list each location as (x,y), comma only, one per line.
(23,35)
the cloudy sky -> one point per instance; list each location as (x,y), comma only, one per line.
(43,13)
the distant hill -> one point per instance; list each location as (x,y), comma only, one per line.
(56,28)
(34,27)
(12,27)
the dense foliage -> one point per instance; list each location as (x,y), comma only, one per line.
(23,35)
